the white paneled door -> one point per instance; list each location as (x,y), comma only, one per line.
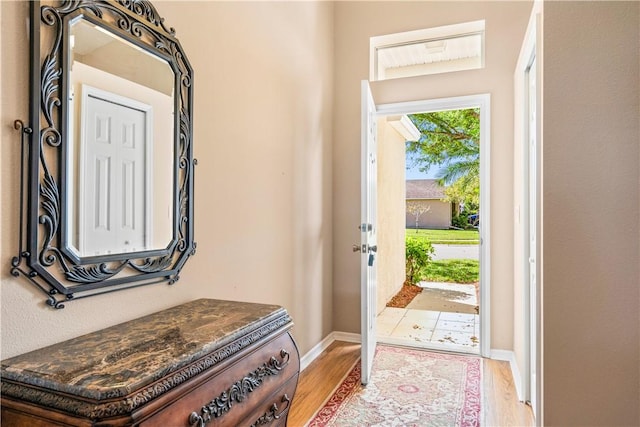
(113,173)
(368,227)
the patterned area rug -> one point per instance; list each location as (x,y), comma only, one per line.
(407,388)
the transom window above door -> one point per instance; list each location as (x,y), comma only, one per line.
(429,51)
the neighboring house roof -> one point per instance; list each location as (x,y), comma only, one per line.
(424,189)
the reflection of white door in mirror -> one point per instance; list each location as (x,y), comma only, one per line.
(114,193)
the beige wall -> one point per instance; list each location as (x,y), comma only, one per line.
(591,254)
(391,191)
(438,215)
(355,22)
(262,135)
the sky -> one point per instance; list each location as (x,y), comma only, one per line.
(414,172)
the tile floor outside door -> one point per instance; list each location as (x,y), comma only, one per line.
(435,330)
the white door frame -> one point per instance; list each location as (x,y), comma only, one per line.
(531,55)
(458,103)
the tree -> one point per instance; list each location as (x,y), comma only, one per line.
(450,139)
(417,209)
(468,195)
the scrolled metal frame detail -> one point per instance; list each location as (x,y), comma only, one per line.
(238,391)
(50,265)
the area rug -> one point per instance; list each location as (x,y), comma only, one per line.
(407,388)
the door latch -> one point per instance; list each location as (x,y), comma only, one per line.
(365,248)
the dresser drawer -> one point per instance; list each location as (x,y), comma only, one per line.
(227,397)
(274,410)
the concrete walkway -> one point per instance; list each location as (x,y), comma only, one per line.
(456,252)
(450,297)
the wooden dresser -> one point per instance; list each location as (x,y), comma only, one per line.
(204,363)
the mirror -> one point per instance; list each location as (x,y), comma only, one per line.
(107,169)
(121,145)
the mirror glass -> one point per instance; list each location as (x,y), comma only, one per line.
(121,129)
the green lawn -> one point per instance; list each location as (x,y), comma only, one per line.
(452,270)
(458,237)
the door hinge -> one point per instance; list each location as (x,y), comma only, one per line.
(365,227)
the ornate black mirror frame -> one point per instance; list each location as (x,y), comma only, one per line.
(50,266)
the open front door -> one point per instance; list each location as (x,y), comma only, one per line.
(368,226)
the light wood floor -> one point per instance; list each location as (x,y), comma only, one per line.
(317,382)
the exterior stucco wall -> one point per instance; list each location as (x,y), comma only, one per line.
(391,191)
(438,215)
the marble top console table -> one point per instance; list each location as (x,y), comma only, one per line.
(204,363)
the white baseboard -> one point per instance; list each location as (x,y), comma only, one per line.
(510,356)
(346,336)
(311,355)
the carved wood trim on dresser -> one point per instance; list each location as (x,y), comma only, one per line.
(204,363)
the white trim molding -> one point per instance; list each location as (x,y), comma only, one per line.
(530,304)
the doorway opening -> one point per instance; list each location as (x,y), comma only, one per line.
(443,210)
